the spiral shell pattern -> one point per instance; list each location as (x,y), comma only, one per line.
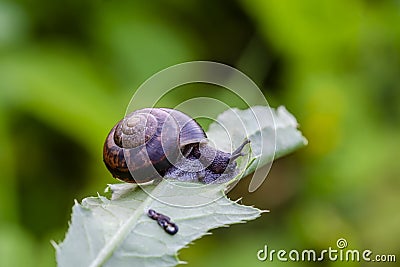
(143,145)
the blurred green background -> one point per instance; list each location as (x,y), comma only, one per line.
(68,70)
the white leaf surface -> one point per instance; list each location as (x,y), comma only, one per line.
(118,232)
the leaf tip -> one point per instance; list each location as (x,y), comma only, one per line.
(55,245)
(107,189)
(182,262)
(305,141)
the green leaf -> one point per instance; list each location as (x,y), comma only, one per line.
(117,231)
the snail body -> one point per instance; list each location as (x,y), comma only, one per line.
(152,143)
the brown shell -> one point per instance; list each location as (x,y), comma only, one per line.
(145,162)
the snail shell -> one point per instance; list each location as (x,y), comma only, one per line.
(143,145)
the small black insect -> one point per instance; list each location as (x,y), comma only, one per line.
(163,221)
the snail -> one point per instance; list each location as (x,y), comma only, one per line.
(152,143)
